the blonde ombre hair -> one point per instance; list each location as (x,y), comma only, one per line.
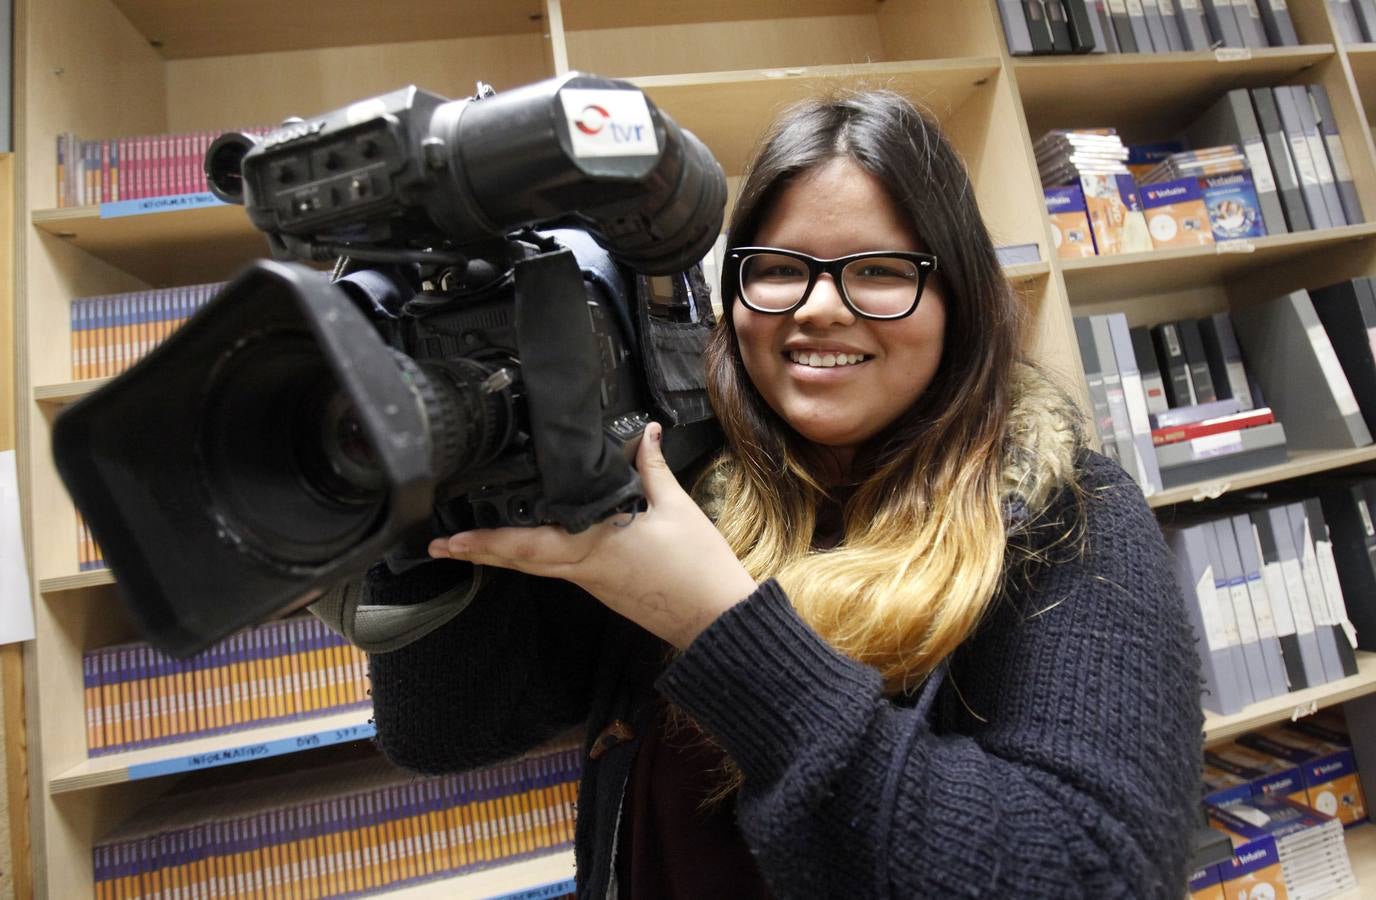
(926,533)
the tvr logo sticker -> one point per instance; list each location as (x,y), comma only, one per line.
(593,119)
(609,123)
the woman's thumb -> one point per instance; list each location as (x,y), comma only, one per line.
(649,458)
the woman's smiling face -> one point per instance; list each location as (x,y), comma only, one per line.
(804,364)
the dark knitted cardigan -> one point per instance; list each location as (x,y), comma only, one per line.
(1056,754)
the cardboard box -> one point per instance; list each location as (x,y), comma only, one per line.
(1206,884)
(1115,214)
(1329,770)
(1254,871)
(1264,773)
(1070,230)
(1176,214)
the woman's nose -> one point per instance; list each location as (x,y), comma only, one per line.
(824,305)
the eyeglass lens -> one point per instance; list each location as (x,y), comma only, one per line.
(876,285)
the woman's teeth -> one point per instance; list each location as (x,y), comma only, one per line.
(825,360)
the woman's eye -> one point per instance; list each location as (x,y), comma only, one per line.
(782,271)
(881,271)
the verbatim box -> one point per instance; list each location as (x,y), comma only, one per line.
(1329,770)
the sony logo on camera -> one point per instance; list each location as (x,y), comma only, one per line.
(292,131)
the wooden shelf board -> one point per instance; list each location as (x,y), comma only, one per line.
(1301,462)
(1294,704)
(1146,96)
(1362,58)
(215,750)
(69,391)
(587,14)
(81,581)
(726,109)
(1106,278)
(183,30)
(164,249)
(550,875)
(1026,271)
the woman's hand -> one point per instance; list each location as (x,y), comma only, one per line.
(668,569)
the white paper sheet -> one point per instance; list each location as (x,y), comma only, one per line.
(16,598)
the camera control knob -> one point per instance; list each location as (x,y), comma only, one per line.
(433,151)
(499,380)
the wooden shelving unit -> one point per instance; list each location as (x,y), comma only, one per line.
(228,27)
(1144,91)
(161,249)
(1293,705)
(217,750)
(109,68)
(1301,463)
(1119,279)
(80,581)
(67,391)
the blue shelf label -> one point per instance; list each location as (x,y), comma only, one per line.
(246,752)
(169,203)
(540,892)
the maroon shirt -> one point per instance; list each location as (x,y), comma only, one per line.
(672,841)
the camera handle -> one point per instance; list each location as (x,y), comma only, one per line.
(584,475)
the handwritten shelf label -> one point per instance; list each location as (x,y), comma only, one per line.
(146,205)
(246,752)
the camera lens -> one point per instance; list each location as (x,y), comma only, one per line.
(470,425)
(285,456)
(333,453)
(282,455)
(351,445)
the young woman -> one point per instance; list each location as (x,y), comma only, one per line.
(911,638)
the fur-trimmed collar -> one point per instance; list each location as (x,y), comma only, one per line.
(1045,432)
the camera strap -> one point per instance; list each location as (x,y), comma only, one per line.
(384,627)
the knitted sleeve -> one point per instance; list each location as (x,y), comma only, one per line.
(1077,777)
(515,668)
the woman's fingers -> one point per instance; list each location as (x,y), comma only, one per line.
(537,551)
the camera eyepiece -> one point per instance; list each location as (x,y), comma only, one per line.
(224,162)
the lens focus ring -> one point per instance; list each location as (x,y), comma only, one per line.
(442,415)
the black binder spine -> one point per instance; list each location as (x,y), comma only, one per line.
(1197,360)
(1170,351)
(1077,20)
(1057,21)
(1038,26)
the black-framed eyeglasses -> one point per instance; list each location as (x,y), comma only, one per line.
(879,284)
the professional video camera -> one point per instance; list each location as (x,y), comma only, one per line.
(458,368)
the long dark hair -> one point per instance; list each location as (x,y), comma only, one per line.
(923,552)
